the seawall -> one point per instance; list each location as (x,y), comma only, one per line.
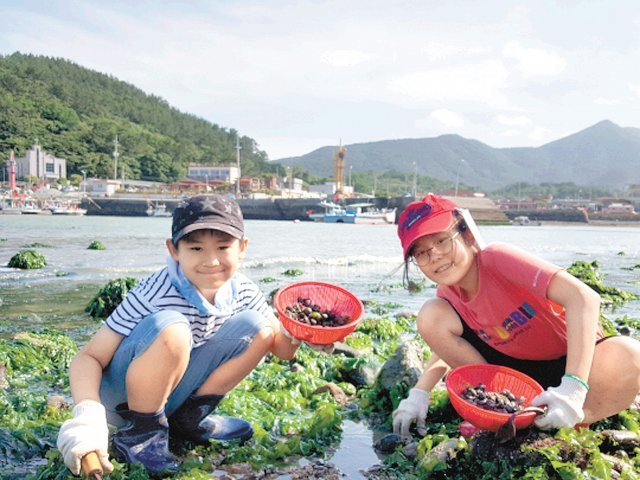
(482,209)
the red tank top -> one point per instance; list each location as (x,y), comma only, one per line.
(511,311)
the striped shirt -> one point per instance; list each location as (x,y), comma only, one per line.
(169,289)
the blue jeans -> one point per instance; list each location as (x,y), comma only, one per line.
(230,341)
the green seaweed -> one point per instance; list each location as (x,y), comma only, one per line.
(588,273)
(96,245)
(27,260)
(293,272)
(109,297)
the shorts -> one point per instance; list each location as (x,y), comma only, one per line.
(230,341)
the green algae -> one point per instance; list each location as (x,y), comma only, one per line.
(96,245)
(109,297)
(27,260)
(588,273)
(293,272)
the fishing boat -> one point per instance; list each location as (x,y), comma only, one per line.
(524,221)
(158,210)
(9,208)
(67,209)
(362,213)
(30,208)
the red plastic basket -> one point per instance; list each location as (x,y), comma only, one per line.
(328,297)
(496,378)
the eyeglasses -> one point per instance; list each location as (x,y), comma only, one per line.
(443,246)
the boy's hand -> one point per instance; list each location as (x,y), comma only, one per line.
(86,432)
(316,347)
(328,349)
(285,332)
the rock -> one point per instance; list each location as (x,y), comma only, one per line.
(364,375)
(351,352)
(388,443)
(624,330)
(296,367)
(615,439)
(336,392)
(57,402)
(440,455)
(405,365)
(411,450)
(319,469)
(406,314)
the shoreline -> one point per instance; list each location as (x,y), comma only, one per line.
(596,223)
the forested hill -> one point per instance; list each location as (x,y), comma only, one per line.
(75,113)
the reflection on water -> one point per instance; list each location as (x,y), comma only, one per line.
(355,452)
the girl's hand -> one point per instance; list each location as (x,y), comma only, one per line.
(412,409)
(564,404)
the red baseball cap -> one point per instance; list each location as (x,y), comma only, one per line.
(423,217)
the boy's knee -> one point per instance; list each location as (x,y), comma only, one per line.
(265,336)
(175,339)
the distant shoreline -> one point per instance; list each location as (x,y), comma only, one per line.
(597,223)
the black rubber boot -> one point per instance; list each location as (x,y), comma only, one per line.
(145,439)
(192,422)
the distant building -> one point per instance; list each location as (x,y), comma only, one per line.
(39,164)
(329,189)
(98,187)
(516,205)
(619,208)
(250,184)
(213,173)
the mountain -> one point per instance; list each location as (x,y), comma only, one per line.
(75,113)
(604,155)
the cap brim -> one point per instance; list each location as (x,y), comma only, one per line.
(222,227)
(433,224)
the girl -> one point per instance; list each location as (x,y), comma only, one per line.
(504,306)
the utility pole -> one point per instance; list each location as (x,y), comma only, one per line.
(238,148)
(415,179)
(115,159)
(458,176)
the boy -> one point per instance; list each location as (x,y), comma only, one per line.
(501,305)
(167,355)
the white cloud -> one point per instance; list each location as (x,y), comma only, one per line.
(635,88)
(520,121)
(448,118)
(291,146)
(534,62)
(539,134)
(345,58)
(481,82)
(440,51)
(512,132)
(606,101)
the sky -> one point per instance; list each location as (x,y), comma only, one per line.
(299,75)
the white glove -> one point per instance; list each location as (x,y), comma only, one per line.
(86,432)
(313,346)
(413,408)
(564,404)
